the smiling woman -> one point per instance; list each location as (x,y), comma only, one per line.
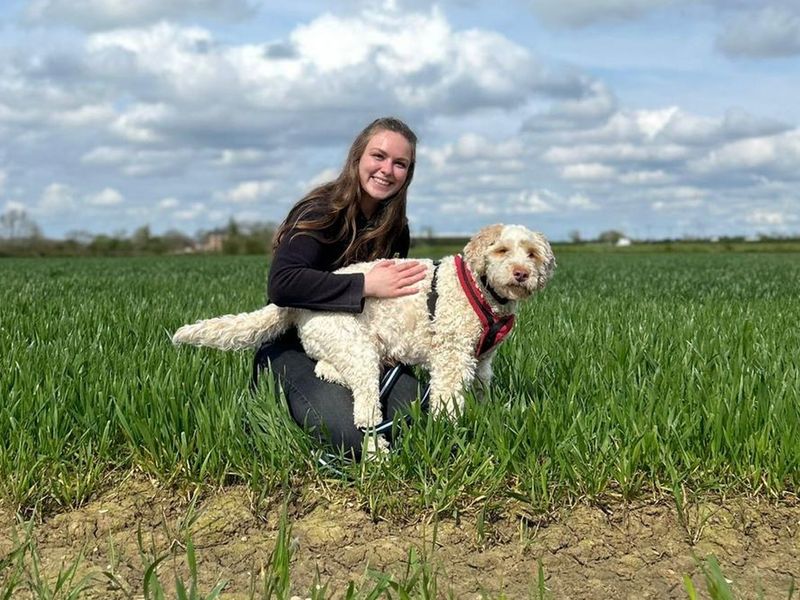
(359,216)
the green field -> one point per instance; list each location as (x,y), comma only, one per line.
(633,375)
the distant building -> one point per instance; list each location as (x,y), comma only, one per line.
(623,242)
(213,242)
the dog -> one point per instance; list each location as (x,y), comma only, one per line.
(451,327)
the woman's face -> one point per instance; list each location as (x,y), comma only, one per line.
(383,167)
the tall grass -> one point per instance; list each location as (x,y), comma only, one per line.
(667,374)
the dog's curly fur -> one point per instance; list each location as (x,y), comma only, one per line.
(350,348)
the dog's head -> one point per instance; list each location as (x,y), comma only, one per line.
(515,260)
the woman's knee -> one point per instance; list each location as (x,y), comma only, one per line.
(406,389)
(323,409)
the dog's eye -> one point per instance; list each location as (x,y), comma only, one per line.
(501,251)
(532,254)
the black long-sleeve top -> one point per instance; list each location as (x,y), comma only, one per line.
(301,277)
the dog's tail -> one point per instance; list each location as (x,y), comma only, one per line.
(236,332)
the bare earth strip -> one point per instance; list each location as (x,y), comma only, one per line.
(624,551)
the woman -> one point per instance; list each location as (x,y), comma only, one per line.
(359,216)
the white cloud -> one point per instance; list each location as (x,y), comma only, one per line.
(772,31)
(84,116)
(14,206)
(108,14)
(644,177)
(580,13)
(323,176)
(141,123)
(615,152)
(760,216)
(778,152)
(192,212)
(651,122)
(675,198)
(588,172)
(106,197)
(248,192)
(168,203)
(530,202)
(691,129)
(470,148)
(409,62)
(3,179)
(596,102)
(244,156)
(137,162)
(56,198)
(582,202)
(525,202)
(476,205)
(106,155)
(676,205)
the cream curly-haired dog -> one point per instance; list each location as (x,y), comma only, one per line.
(475,300)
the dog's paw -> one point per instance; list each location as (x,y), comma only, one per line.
(448,408)
(368,416)
(327,372)
(375,447)
(480,391)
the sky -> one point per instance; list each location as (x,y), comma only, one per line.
(657,118)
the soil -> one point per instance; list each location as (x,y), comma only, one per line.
(627,551)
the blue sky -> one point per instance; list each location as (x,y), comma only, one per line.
(656,117)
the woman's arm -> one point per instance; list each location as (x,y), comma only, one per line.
(299,277)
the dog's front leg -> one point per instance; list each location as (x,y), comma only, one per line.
(483,375)
(453,368)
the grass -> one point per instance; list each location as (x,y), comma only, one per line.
(631,373)
(671,376)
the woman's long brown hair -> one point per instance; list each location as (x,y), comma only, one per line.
(338,201)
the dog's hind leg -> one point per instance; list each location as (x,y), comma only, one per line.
(326,371)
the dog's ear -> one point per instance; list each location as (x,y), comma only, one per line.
(475,250)
(549,262)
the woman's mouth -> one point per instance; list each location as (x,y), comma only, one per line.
(381,181)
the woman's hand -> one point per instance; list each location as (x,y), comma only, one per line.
(390,279)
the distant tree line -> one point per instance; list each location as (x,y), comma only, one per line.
(21,236)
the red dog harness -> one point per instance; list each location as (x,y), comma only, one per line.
(495,328)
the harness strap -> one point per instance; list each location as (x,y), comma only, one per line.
(499,329)
(433,294)
(494,328)
(478,304)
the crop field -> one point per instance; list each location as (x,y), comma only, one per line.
(642,438)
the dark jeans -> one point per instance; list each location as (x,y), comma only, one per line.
(324,409)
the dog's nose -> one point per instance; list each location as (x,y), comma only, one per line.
(521,275)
